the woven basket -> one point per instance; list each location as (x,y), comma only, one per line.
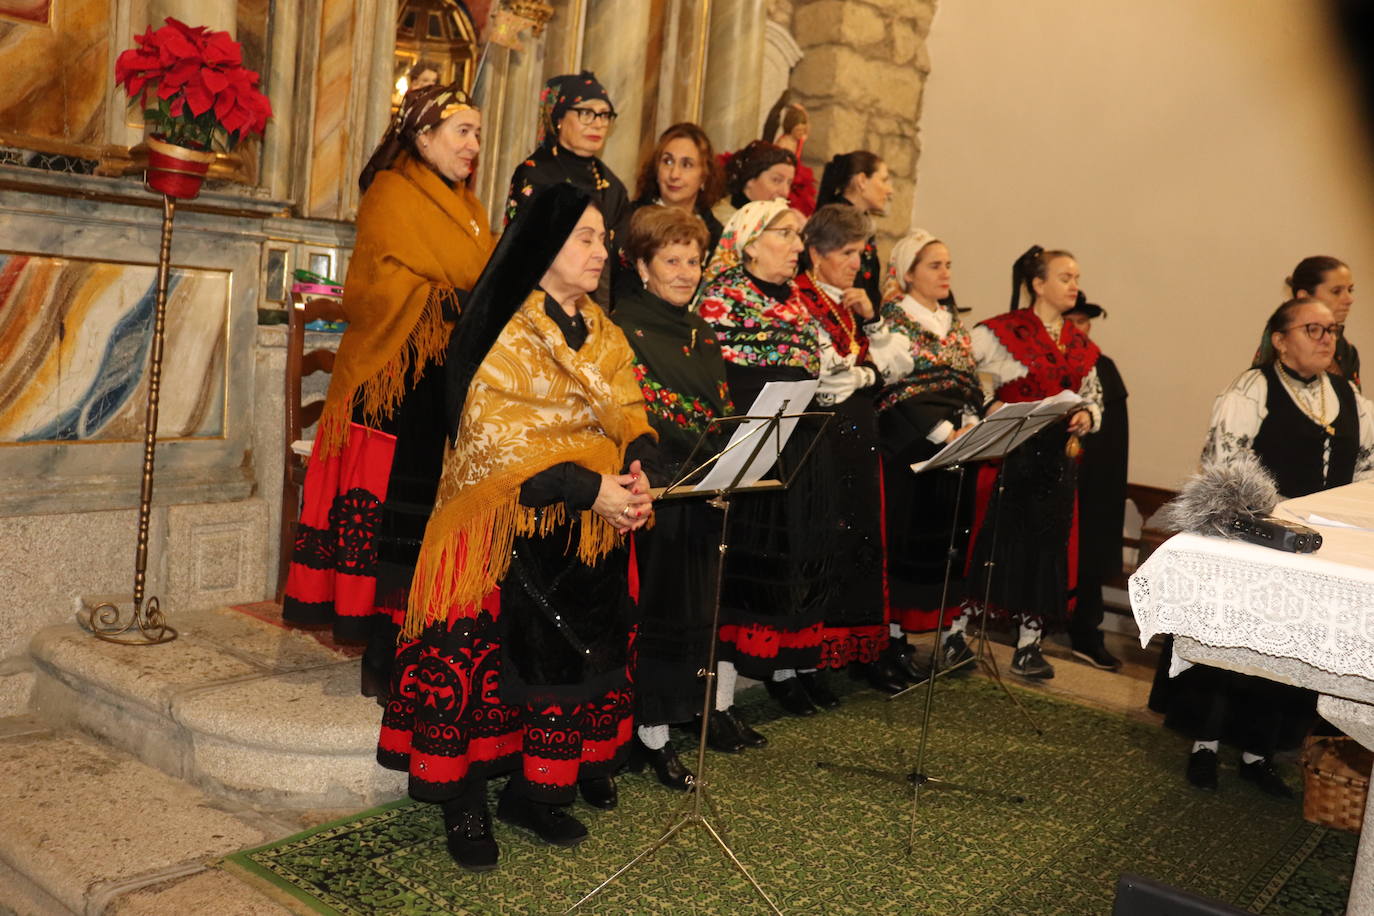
(1336,781)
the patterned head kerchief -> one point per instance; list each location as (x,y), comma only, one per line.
(562,93)
(421,110)
(744,227)
(903,255)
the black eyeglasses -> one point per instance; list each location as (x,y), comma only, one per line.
(1318,331)
(588,116)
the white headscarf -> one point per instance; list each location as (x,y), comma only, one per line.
(742,229)
(904,254)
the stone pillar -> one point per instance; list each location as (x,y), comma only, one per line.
(619,45)
(681,77)
(862,79)
(734,68)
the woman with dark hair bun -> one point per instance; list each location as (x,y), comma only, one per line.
(760,171)
(1328,280)
(1024,355)
(861,179)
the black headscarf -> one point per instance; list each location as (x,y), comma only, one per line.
(750,162)
(421,110)
(562,93)
(522,256)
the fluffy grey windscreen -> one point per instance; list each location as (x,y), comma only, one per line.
(1210,499)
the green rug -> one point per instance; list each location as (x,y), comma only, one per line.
(1104,794)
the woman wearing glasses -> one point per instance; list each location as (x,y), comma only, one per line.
(575,118)
(1311,430)
(1328,280)
(780,563)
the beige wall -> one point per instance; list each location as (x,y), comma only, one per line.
(1190,152)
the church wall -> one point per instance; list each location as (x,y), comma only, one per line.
(1189,152)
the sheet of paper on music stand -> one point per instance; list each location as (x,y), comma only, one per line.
(1044,412)
(1000,432)
(775,398)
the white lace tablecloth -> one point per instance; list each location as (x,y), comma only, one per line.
(1316,608)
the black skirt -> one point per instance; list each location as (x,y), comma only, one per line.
(1031,523)
(677,579)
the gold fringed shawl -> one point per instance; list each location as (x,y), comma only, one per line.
(534,403)
(418,242)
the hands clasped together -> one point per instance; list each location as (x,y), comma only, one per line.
(624,499)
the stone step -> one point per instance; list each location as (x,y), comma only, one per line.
(88,829)
(236,706)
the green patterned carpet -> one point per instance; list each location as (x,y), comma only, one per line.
(1104,794)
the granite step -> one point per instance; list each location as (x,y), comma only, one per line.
(88,829)
(235,706)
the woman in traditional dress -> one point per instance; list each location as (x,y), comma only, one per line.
(788,125)
(781,559)
(1329,281)
(1311,430)
(575,118)
(681,172)
(862,180)
(931,406)
(682,375)
(760,171)
(1024,355)
(516,645)
(422,241)
(858,354)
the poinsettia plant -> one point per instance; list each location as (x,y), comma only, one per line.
(193,87)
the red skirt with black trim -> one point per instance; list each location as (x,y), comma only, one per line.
(333,575)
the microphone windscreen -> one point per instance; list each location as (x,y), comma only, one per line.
(1210,500)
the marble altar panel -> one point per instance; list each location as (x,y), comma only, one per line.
(74,341)
(333,85)
(57,74)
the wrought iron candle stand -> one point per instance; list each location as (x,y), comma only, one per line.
(146,625)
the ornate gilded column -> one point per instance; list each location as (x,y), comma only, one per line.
(734,68)
(682,72)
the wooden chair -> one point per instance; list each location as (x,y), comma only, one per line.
(300,365)
(1148,501)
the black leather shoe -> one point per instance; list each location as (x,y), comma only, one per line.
(955,655)
(551,823)
(741,728)
(721,734)
(469,838)
(903,657)
(790,696)
(599,792)
(1263,774)
(813,684)
(665,762)
(1098,657)
(1202,769)
(883,676)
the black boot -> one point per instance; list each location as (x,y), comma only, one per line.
(599,792)
(721,734)
(883,676)
(551,823)
(467,823)
(790,696)
(665,762)
(741,728)
(814,685)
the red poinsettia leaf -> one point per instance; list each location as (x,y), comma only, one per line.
(198,97)
(235,119)
(195,35)
(224,105)
(222,50)
(214,80)
(177,107)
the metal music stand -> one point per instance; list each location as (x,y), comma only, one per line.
(994,438)
(698,795)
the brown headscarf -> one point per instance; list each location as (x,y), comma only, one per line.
(421,110)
